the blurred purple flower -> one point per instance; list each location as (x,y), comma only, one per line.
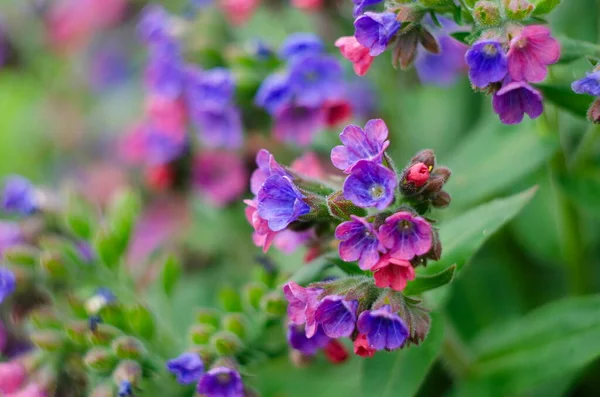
(165,72)
(19,196)
(219,128)
(370,185)
(209,88)
(153,23)
(274,93)
(444,68)
(316,79)
(298,124)
(188,368)
(220,176)
(10,235)
(8,283)
(299,45)
(221,382)
(588,85)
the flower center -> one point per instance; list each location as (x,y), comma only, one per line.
(521,43)
(311,76)
(223,379)
(377,191)
(490,50)
(405,225)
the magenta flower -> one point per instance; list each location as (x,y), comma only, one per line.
(263,236)
(220,176)
(406,235)
(531,52)
(267,166)
(337,316)
(370,185)
(302,304)
(359,242)
(516,99)
(393,273)
(12,376)
(384,329)
(359,144)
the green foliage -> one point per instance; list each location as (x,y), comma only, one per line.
(170,274)
(426,283)
(543,7)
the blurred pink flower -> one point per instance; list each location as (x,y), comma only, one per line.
(220,176)
(238,12)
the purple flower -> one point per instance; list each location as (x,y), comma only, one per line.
(302,303)
(515,99)
(213,88)
(444,68)
(161,146)
(267,166)
(298,340)
(221,382)
(337,316)
(384,329)
(360,5)
(359,242)
(10,235)
(359,144)
(375,30)
(588,85)
(219,128)
(274,93)
(487,63)
(19,196)
(125,389)
(152,25)
(316,79)
(8,283)
(406,235)
(165,71)
(370,185)
(280,202)
(188,368)
(298,124)
(298,45)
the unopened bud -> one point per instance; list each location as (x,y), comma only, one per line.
(518,10)
(426,157)
(200,334)
(128,371)
(487,13)
(253,293)
(128,347)
(104,334)
(435,253)
(594,112)
(77,332)
(230,299)
(226,343)
(335,352)
(417,174)
(100,360)
(442,172)
(208,316)
(429,42)
(434,185)
(405,50)
(48,340)
(441,200)
(235,323)
(274,304)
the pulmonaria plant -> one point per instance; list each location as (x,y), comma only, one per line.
(378,219)
(590,85)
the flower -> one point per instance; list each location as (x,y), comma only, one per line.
(287,241)
(487,63)
(12,376)
(238,12)
(417,174)
(370,185)
(308,165)
(406,235)
(153,23)
(219,127)
(530,52)
(336,315)
(383,329)
(298,124)
(302,304)
(161,146)
(375,30)
(588,85)
(515,99)
(360,5)
(188,368)
(274,93)
(267,166)
(298,45)
(221,382)
(164,73)
(444,68)
(353,51)
(8,283)
(298,340)
(361,346)
(359,242)
(263,236)
(393,273)
(220,176)
(335,352)
(280,202)
(10,235)
(19,196)
(315,79)
(214,87)
(359,144)
(125,389)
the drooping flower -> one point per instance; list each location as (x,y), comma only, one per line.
(515,99)
(406,235)
(302,304)
(188,368)
(375,30)
(487,62)
(315,79)
(337,316)
(220,176)
(287,241)
(358,242)
(221,382)
(356,53)
(531,51)
(274,93)
(298,124)
(360,5)
(12,376)
(280,202)
(362,348)
(300,44)
(8,283)
(370,185)
(383,329)
(267,166)
(393,273)
(19,196)
(359,144)
(298,340)
(588,85)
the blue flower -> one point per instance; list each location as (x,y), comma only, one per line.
(337,316)
(219,127)
(444,68)
(588,85)
(298,340)
(298,45)
(188,368)
(19,196)
(487,63)
(274,93)
(384,329)
(125,389)
(165,70)
(221,382)
(214,87)
(375,30)
(8,283)
(162,147)
(316,79)
(360,5)
(152,25)
(280,202)
(370,185)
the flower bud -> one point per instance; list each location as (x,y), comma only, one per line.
(230,299)
(208,316)
(253,293)
(426,157)
(104,334)
(100,360)
(48,340)
(518,10)
(442,172)
(434,185)
(128,347)
(235,323)
(45,317)
(341,208)
(441,200)
(417,174)
(225,343)
(274,304)
(435,253)
(77,332)
(487,14)
(335,352)
(128,371)
(200,334)
(22,255)
(429,42)
(594,112)
(405,50)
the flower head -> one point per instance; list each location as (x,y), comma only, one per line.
(406,235)
(487,63)
(353,51)
(164,73)
(19,196)
(220,176)
(370,185)
(375,30)
(188,368)
(588,85)
(274,93)
(515,99)
(280,202)
(393,273)
(298,45)
(302,304)
(298,124)
(361,346)
(221,382)
(531,52)
(383,329)
(359,144)
(315,79)
(359,242)
(8,283)
(417,174)
(337,316)
(298,340)
(267,166)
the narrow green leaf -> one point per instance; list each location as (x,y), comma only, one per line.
(400,373)
(171,272)
(122,215)
(544,6)
(311,272)
(564,97)
(425,283)
(141,321)
(571,49)
(462,236)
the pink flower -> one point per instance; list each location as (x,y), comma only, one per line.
(361,346)
(308,165)
(263,236)
(167,114)
(406,235)
(353,51)
(531,52)
(288,241)
(302,305)
(238,12)
(308,5)
(12,375)
(393,273)
(337,111)
(220,176)
(31,390)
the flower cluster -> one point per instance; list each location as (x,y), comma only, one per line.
(308,95)
(590,85)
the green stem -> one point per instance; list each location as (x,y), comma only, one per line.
(456,353)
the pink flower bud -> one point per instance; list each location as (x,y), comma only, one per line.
(353,51)
(12,375)
(362,348)
(418,174)
(335,352)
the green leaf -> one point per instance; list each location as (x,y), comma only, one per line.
(571,50)
(311,272)
(400,373)
(141,321)
(107,248)
(425,283)
(350,268)
(558,339)
(584,189)
(122,215)
(544,6)
(564,97)
(462,236)
(170,274)
(79,216)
